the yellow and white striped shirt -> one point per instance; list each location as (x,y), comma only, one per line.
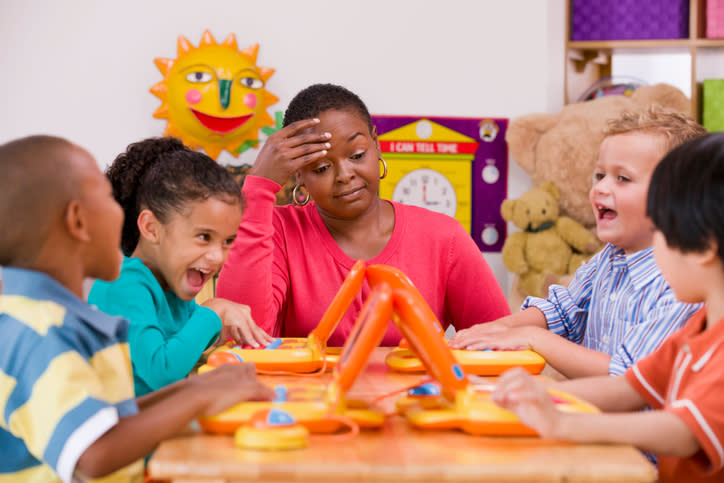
(65,379)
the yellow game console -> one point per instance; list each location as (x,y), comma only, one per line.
(297,354)
(481,363)
(324,408)
(472,411)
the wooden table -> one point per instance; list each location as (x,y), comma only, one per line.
(397,453)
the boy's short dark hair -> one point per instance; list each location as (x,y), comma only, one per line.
(32,193)
(686,195)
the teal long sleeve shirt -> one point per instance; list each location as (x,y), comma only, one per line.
(166,335)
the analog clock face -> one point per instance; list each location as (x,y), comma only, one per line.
(427,188)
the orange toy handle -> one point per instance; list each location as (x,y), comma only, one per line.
(367,332)
(346,293)
(419,326)
(396,279)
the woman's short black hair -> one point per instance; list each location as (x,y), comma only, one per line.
(318,98)
(686,195)
(163,175)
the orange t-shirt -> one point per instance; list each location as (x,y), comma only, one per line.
(685,376)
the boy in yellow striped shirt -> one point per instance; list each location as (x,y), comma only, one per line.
(67,406)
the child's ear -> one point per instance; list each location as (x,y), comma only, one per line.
(75,221)
(710,255)
(148,226)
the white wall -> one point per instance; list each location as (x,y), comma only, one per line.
(82,68)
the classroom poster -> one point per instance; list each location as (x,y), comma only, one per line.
(452,165)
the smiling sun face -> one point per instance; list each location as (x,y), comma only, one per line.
(213,95)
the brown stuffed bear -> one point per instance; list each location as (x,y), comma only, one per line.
(549,246)
(563,147)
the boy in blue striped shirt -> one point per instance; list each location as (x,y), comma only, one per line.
(66,385)
(618,308)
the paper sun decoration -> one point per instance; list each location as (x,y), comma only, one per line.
(213,95)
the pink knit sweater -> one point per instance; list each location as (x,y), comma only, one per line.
(287,267)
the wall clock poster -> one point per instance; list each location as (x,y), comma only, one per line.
(452,165)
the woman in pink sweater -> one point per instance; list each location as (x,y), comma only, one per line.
(287,262)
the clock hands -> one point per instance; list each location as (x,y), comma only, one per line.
(424,197)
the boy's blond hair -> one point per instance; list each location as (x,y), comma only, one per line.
(672,125)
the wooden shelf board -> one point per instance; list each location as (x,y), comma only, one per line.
(708,43)
(643,44)
(621,44)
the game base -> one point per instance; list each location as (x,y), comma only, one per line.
(481,363)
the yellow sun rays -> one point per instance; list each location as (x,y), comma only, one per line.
(213,96)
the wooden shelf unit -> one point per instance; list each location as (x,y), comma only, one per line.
(588,61)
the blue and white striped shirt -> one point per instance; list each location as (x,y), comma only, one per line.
(617,304)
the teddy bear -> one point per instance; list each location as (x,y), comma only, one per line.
(549,245)
(563,147)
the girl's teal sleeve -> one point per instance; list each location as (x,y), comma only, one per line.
(163,351)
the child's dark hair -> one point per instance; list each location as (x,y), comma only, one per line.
(32,194)
(318,98)
(163,175)
(686,195)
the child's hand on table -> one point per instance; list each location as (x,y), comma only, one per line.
(237,323)
(230,384)
(527,397)
(464,338)
(516,338)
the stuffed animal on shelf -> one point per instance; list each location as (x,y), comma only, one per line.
(563,147)
(549,245)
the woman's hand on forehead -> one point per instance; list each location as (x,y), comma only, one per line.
(289,149)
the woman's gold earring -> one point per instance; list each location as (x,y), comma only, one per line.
(296,199)
(384,168)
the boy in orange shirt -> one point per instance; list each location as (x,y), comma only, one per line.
(66,385)
(682,380)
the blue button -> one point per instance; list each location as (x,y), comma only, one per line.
(278,417)
(274,344)
(427,389)
(281,394)
(458,371)
(238,357)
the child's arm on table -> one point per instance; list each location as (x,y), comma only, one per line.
(468,338)
(151,398)
(162,416)
(237,322)
(566,308)
(656,431)
(607,393)
(568,358)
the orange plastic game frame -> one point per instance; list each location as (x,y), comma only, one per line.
(459,403)
(298,354)
(320,407)
(482,363)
